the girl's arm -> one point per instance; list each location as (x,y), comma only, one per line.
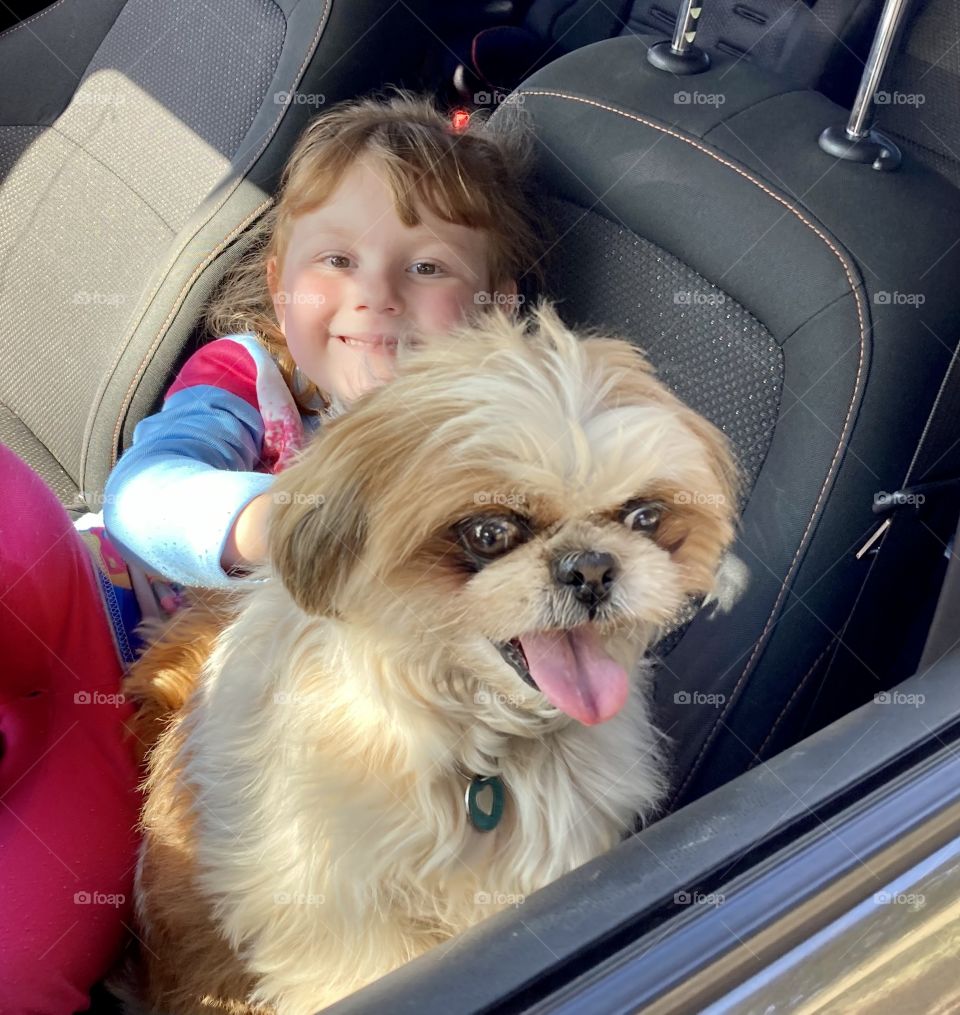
(247,540)
(186,499)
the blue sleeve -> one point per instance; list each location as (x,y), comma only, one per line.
(172,499)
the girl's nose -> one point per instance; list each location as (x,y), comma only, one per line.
(377,293)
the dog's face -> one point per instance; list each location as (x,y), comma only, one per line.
(532,508)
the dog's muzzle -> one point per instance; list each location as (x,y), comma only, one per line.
(589,575)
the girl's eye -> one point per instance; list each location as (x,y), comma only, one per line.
(336,261)
(426,268)
(643,516)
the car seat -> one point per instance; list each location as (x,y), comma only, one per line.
(817,44)
(805,305)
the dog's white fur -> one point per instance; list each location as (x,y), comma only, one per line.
(304,801)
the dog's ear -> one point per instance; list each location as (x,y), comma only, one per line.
(316,539)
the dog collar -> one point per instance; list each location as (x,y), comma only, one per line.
(483,800)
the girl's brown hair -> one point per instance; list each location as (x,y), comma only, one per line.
(473,177)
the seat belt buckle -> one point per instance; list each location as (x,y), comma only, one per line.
(885,504)
(910,496)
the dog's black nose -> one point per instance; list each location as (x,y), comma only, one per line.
(590,573)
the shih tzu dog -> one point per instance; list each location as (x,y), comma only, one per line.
(435,700)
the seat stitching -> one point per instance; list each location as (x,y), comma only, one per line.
(56,461)
(53,128)
(33,17)
(207,261)
(854,288)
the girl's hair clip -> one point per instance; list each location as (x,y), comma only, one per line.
(459,120)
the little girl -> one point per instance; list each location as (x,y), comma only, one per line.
(389,223)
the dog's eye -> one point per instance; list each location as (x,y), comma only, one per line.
(491,536)
(642,516)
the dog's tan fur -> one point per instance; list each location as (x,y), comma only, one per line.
(304,823)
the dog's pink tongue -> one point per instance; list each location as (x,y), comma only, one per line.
(575,674)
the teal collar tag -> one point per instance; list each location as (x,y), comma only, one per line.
(484,800)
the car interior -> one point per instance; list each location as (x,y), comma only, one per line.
(801,297)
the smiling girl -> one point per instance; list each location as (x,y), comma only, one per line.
(389,224)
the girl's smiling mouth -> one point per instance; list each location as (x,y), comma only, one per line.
(381,343)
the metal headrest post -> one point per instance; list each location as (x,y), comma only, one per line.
(681,56)
(857,141)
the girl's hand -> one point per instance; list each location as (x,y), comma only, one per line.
(247,543)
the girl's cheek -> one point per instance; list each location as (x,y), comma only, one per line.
(449,309)
(322,293)
(313,289)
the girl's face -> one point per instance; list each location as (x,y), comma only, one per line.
(353,278)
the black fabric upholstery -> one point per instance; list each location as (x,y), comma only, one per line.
(920,95)
(73,32)
(713,352)
(740,192)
